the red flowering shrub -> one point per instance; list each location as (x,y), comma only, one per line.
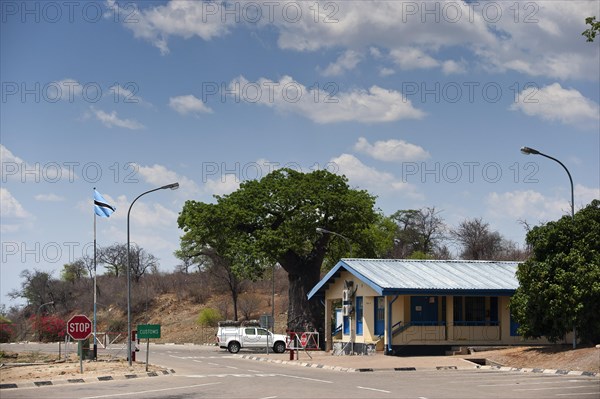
(48,328)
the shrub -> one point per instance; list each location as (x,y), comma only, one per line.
(209,317)
(6,330)
(48,328)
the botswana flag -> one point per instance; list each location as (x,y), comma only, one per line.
(101,207)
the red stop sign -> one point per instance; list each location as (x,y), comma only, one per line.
(79,327)
(303,339)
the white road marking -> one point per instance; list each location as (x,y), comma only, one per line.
(232,367)
(197,361)
(305,378)
(547,389)
(253,371)
(214,364)
(150,391)
(578,394)
(229,375)
(374,389)
(269,397)
(522,383)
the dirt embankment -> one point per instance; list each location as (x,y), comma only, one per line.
(552,357)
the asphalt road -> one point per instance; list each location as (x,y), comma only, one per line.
(206,372)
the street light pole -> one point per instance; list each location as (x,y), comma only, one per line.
(325,231)
(531,151)
(172,186)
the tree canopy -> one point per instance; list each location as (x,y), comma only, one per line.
(593,30)
(559,286)
(275,220)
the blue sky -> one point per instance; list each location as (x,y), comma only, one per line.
(422,104)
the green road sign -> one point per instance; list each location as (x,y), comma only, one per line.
(148,331)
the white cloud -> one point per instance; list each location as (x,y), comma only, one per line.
(15,168)
(49,198)
(66,90)
(451,67)
(369,178)
(185,19)
(345,62)
(554,103)
(159,175)
(13,213)
(226,184)
(535,38)
(383,72)
(529,204)
(7,156)
(110,120)
(391,150)
(412,58)
(219,183)
(368,106)
(11,207)
(188,104)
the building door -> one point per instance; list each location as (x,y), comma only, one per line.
(423,310)
(359,315)
(379,315)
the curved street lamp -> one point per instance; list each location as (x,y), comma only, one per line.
(172,186)
(325,231)
(531,151)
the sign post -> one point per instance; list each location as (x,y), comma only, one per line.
(148,331)
(79,327)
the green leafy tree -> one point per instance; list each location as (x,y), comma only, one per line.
(212,243)
(559,286)
(275,219)
(418,231)
(74,271)
(36,288)
(593,30)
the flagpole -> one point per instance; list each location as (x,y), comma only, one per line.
(95,345)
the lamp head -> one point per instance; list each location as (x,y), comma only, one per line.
(321,230)
(528,151)
(172,186)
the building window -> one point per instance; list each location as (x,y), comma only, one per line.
(472,311)
(475,310)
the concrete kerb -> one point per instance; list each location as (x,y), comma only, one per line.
(541,371)
(475,366)
(117,377)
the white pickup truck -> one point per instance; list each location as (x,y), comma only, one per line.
(234,338)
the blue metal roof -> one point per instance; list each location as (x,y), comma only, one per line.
(401,276)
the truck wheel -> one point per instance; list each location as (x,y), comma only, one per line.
(234,347)
(279,347)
